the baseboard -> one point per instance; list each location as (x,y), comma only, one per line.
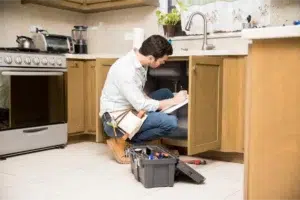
(81,137)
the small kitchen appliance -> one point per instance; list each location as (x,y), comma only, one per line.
(52,42)
(79,35)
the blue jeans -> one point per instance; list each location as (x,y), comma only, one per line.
(157,125)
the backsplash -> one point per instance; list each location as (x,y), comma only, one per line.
(284,11)
(16,20)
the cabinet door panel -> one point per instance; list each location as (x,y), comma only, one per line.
(102,68)
(233,97)
(90,96)
(75,97)
(204,104)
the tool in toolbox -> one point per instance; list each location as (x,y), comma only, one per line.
(195,162)
(155,166)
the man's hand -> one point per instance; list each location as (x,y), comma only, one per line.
(177,99)
(180,97)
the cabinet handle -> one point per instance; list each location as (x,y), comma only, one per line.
(93,66)
(194,67)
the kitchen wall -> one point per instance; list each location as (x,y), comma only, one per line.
(115,23)
(16,19)
(112,29)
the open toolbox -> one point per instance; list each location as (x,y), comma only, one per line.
(155,166)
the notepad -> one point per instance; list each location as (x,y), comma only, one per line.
(131,124)
(175,107)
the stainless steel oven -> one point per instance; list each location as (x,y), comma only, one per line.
(32,101)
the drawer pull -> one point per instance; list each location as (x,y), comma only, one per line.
(34,130)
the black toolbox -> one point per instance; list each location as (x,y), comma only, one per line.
(155,166)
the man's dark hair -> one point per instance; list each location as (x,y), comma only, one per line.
(156,46)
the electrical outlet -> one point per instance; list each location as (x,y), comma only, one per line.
(33,28)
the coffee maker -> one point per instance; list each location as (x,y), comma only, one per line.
(79,35)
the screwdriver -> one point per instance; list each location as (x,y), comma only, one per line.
(195,162)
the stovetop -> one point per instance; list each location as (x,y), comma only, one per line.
(24,57)
(18,49)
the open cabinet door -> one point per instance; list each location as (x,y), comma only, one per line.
(102,68)
(204,109)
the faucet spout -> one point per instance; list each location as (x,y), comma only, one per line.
(205,45)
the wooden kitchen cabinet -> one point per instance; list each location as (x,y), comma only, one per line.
(215,109)
(81,96)
(272,120)
(89,6)
(75,96)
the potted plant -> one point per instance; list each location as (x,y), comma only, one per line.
(170,20)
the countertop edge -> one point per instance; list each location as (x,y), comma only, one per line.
(91,56)
(277,32)
(175,54)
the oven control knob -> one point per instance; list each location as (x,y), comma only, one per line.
(18,60)
(27,60)
(8,60)
(36,61)
(44,61)
(51,61)
(59,62)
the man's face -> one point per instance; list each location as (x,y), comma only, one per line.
(156,63)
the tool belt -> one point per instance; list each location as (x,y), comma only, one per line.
(128,122)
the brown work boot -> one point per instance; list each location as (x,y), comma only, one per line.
(118,145)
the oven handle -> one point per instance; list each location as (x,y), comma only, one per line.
(13,73)
(34,130)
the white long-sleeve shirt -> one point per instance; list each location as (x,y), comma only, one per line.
(124,85)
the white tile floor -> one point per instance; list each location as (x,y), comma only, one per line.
(86,171)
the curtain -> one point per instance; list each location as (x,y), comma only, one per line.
(225,15)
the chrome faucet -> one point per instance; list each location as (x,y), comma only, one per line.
(205,45)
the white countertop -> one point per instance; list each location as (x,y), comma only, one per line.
(271,32)
(209,53)
(181,53)
(91,56)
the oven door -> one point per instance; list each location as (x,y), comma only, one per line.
(31,99)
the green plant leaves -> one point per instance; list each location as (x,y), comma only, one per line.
(171,18)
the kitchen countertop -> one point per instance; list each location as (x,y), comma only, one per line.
(175,54)
(91,56)
(209,53)
(271,32)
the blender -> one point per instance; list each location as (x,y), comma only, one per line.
(79,35)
